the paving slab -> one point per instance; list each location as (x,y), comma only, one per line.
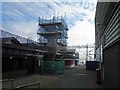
(77,77)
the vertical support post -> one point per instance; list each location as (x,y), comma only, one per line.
(33,79)
(12,82)
(87,52)
(38,85)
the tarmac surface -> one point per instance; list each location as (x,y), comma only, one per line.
(77,77)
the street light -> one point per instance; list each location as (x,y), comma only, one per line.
(11,57)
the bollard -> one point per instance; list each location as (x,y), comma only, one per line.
(38,85)
(98,76)
(12,83)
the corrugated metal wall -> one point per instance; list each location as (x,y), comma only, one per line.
(112,31)
(107,31)
(112,65)
(111,49)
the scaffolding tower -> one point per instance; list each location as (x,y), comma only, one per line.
(52,34)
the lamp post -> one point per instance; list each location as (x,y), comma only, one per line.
(11,57)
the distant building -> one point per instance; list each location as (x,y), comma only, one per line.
(107,41)
(71,58)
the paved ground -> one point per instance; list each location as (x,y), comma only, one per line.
(77,77)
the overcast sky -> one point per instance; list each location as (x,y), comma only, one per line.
(22,18)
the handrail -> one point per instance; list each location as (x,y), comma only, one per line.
(27,85)
(5,34)
(6,80)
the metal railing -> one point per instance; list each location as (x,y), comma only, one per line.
(6,86)
(27,86)
(54,19)
(7,80)
(5,34)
